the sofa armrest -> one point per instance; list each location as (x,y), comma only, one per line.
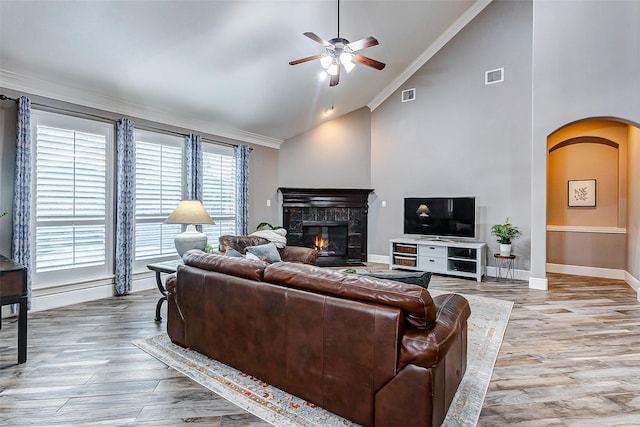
(175,318)
(299,254)
(426,347)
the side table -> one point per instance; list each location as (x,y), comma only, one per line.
(167,267)
(13,290)
(505,267)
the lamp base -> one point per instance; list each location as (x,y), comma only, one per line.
(190,239)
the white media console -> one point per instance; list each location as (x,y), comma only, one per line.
(457,258)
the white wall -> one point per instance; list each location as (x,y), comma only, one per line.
(461,137)
(586,63)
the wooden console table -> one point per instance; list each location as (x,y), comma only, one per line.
(13,290)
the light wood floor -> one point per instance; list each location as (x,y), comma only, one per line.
(571,356)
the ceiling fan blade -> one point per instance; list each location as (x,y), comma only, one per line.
(369,62)
(308,58)
(361,44)
(317,39)
(335,79)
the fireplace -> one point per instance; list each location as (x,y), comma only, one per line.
(332,220)
(330,238)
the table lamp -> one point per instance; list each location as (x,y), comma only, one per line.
(190,212)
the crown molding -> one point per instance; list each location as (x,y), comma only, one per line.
(438,44)
(93,99)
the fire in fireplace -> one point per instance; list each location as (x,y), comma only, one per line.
(330,238)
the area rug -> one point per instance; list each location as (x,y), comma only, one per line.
(486,327)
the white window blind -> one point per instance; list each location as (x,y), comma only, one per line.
(159,160)
(72,197)
(219,191)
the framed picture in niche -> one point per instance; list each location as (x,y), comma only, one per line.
(582,192)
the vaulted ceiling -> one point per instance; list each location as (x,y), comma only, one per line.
(218,66)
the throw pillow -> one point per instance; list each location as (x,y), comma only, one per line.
(233,253)
(268,251)
(249,255)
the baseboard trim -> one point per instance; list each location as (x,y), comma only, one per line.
(633,282)
(605,273)
(541,284)
(46,300)
(580,270)
(382,259)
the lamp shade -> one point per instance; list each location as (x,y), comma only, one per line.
(189,212)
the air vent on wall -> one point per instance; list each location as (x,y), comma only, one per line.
(408,95)
(494,76)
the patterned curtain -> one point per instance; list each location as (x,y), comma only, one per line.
(193,144)
(125,205)
(242,189)
(21,243)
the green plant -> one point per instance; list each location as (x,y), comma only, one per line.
(350,270)
(505,232)
(4,213)
(266,224)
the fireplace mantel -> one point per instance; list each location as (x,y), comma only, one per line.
(304,205)
(325,197)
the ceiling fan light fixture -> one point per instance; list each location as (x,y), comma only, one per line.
(326,61)
(346,59)
(333,69)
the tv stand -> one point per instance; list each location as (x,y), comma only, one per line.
(455,258)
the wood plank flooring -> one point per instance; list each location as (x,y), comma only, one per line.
(571,357)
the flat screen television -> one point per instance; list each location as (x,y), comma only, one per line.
(440,216)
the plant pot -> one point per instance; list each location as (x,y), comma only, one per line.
(505,250)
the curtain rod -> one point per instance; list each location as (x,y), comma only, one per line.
(6,98)
(75,113)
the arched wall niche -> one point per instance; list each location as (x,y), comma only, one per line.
(589,237)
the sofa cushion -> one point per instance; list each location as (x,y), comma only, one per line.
(268,251)
(413,300)
(239,267)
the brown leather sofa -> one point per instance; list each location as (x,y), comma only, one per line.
(288,253)
(377,352)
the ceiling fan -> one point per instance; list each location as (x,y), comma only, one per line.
(340,52)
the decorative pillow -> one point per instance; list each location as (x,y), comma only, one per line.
(268,251)
(249,255)
(233,253)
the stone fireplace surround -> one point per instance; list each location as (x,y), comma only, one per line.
(315,205)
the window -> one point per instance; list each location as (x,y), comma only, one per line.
(219,190)
(72,198)
(159,160)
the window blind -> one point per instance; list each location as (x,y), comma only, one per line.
(158,192)
(70,198)
(219,191)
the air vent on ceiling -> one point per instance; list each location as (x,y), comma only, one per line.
(494,76)
(408,95)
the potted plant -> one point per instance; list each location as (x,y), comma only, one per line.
(505,233)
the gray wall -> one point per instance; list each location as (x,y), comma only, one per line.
(263,186)
(586,64)
(461,137)
(335,154)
